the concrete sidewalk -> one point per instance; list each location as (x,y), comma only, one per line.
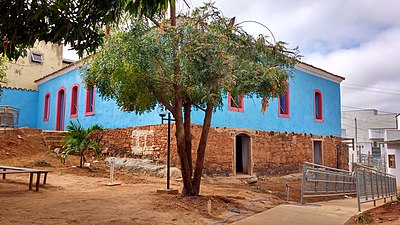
(335,212)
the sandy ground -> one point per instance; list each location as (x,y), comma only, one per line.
(77,196)
(80,196)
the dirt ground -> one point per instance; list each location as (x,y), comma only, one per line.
(388,214)
(80,196)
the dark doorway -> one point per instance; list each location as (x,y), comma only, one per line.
(243,154)
(60,110)
(317,146)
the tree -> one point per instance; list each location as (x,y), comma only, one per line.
(188,63)
(78,140)
(80,23)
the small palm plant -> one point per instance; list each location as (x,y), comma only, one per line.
(78,141)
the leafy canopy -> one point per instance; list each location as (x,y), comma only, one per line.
(136,64)
(80,23)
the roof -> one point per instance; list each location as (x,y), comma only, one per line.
(318,72)
(61,71)
(300,65)
(393,141)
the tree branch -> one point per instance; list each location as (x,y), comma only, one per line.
(198,107)
(155,22)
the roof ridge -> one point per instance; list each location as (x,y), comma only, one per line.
(21,89)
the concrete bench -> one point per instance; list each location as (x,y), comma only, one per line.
(16,170)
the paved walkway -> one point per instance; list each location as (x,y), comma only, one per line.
(335,212)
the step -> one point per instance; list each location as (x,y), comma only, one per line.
(53,139)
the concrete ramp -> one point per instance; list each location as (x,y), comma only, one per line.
(335,212)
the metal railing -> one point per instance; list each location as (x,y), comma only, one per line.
(323,181)
(9,116)
(373,185)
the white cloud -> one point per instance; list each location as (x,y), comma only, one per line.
(373,64)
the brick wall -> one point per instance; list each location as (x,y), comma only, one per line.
(272,153)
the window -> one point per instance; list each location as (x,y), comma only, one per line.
(392,161)
(89,109)
(283,103)
(46,111)
(36,57)
(318,106)
(235,103)
(74,101)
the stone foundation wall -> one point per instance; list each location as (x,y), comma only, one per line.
(272,153)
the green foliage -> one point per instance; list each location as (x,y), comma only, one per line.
(148,8)
(136,66)
(78,141)
(79,23)
(361,219)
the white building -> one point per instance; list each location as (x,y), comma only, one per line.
(367,127)
(392,145)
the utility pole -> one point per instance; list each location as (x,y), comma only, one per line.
(355,131)
(355,138)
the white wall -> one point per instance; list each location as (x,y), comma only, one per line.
(366,119)
(394,149)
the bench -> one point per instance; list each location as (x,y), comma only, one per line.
(16,170)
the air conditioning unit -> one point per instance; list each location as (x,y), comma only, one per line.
(36,57)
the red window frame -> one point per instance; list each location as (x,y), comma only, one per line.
(286,101)
(74,101)
(46,110)
(318,113)
(89,106)
(392,161)
(239,107)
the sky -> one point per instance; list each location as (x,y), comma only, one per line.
(355,39)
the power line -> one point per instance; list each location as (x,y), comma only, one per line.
(353,107)
(372,87)
(375,91)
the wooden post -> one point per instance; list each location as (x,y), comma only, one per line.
(37,180)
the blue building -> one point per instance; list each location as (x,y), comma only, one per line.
(310,106)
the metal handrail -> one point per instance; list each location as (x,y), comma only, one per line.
(373,185)
(323,181)
(326,167)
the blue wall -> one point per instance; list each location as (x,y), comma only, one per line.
(301,118)
(26,101)
(106,113)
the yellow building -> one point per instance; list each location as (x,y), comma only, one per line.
(42,59)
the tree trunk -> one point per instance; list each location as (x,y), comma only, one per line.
(202,148)
(181,147)
(81,162)
(186,165)
(172,11)
(188,134)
